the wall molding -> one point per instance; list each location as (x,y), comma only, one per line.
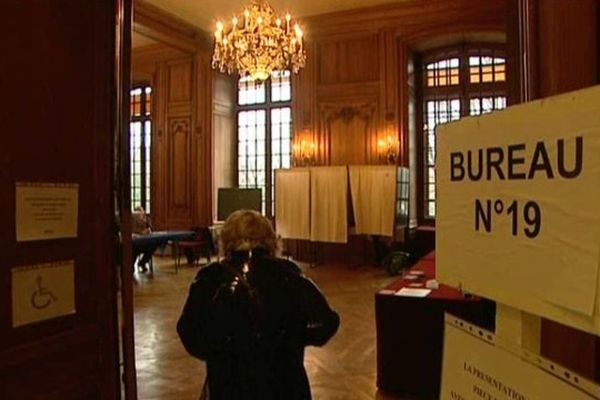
(162,26)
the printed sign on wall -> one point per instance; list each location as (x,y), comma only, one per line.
(517,207)
(42,291)
(476,368)
(46,211)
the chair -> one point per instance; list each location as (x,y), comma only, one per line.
(200,244)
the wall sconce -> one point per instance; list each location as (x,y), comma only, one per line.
(387,150)
(305,152)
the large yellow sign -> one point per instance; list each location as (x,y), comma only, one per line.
(476,368)
(518,215)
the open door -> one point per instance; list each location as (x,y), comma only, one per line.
(58,279)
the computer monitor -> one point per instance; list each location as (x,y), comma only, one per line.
(233,199)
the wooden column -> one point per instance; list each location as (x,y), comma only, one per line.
(554,47)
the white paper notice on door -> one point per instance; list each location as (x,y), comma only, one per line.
(46,210)
(42,291)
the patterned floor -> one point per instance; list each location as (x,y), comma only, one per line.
(342,370)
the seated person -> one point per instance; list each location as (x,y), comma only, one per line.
(140,225)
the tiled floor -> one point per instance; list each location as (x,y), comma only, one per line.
(344,369)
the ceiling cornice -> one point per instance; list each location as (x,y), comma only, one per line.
(409,17)
(164,27)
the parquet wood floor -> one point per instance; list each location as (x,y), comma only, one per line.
(344,369)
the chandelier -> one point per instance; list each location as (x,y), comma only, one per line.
(258,43)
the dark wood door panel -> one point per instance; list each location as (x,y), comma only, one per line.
(57,113)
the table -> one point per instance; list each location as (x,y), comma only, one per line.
(152,241)
(410,333)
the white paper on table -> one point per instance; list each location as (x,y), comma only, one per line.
(409,292)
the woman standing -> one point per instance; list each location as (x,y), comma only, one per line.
(250,317)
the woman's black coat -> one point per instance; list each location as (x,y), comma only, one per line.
(251,329)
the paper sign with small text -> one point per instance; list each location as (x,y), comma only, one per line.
(475,367)
(46,211)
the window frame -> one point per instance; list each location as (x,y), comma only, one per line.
(144,117)
(268,105)
(464,91)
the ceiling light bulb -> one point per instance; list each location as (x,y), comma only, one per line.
(234,21)
(219,26)
(288,17)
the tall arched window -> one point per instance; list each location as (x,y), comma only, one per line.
(264,130)
(456,82)
(140,146)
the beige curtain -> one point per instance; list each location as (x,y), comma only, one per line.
(373,191)
(329,207)
(292,203)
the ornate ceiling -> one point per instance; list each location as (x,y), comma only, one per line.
(205,13)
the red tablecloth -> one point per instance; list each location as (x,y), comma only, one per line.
(410,332)
(427,265)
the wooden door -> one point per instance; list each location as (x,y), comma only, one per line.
(554,48)
(57,123)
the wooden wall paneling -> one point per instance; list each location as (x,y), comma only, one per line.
(402,90)
(159,156)
(414,19)
(180,82)
(350,131)
(389,122)
(557,48)
(359,59)
(179,171)
(143,73)
(181,179)
(356,55)
(202,142)
(569,60)
(153,54)
(352,58)
(347,91)
(157,24)
(304,85)
(181,154)
(179,143)
(567,39)
(327,61)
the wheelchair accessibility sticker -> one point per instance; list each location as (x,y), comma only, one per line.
(41,297)
(43,291)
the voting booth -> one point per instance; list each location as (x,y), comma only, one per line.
(518,222)
(314,203)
